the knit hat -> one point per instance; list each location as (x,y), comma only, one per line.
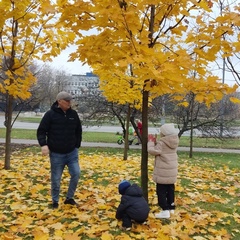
(123,185)
(168,129)
(64,96)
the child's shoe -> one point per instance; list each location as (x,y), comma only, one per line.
(163,214)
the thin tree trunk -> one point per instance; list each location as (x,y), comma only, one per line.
(191,140)
(144,160)
(191,122)
(8,124)
(126,144)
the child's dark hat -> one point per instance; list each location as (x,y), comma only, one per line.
(123,185)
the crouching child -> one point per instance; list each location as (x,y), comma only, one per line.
(133,205)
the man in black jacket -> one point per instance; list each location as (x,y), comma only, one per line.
(133,205)
(60,134)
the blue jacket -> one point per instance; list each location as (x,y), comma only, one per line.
(133,204)
(62,132)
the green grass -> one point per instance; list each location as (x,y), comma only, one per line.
(100,137)
(19,133)
(210,142)
(36,119)
(87,136)
(214,160)
(113,137)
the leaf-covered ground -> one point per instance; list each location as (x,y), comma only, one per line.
(207,198)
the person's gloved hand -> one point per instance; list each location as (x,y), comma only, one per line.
(151,138)
(45,150)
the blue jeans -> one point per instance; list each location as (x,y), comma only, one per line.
(58,162)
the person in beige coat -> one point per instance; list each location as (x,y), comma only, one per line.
(165,167)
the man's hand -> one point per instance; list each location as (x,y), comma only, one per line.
(45,150)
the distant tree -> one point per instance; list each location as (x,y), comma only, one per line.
(49,82)
(95,109)
(160,108)
(196,116)
(229,56)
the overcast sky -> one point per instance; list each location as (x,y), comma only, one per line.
(76,67)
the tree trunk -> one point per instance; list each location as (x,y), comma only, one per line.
(191,126)
(144,160)
(126,144)
(191,133)
(132,120)
(191,140)
(8,124)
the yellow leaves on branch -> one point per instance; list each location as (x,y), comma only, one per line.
(29,30)
(18,83)
(206,91)
(165,44)
(235,100)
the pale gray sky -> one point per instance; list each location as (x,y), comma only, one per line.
(61,62)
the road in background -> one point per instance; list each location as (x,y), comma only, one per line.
(33,126)
(24,125)
(110,129)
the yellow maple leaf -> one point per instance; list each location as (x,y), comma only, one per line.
(107,236)
(235,100)
(57,226)
(71,236)
(40,235)
(8,236)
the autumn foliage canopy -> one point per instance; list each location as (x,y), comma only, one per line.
(163,46)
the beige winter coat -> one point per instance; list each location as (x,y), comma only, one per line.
(166,159)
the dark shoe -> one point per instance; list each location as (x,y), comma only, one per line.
(136,143)
(70,201)
(55,205)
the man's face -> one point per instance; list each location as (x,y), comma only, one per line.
(64,104)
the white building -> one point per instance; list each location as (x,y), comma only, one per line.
(80,85)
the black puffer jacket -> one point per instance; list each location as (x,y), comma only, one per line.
(134,204)
(62,132)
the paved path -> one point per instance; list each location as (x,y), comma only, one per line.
(34,126)
(115,145)
(112,129)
